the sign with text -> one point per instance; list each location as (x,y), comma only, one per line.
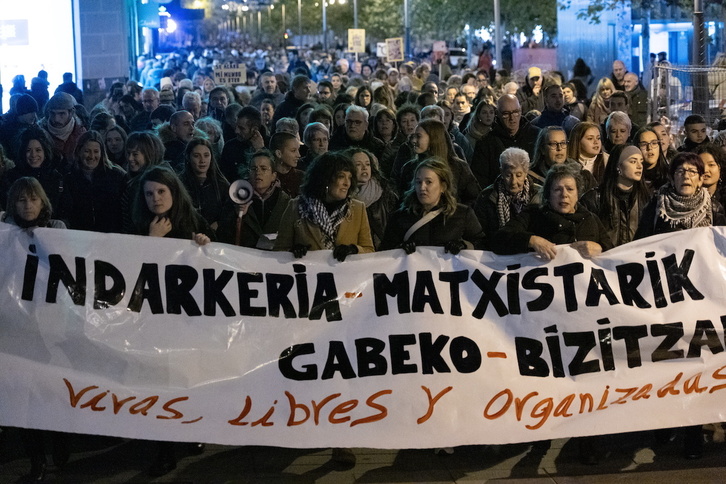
(230,74)
(357,40)
(394,48)
(165,340)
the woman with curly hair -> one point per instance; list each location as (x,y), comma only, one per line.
(326,216)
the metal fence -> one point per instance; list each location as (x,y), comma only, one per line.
(676,92)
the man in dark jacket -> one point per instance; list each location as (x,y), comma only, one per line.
(70,87)
(267,89)
(24,114)
(554,113)
(356,133)
(294,98)
(150,101)
(249,139)
(530,95)
(638,97)
(510,130)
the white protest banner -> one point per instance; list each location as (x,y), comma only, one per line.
(230,74)
(145,337)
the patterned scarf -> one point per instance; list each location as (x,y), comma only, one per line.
(684,212)
(506,201)
(314,210)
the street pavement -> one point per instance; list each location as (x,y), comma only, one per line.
(625,458)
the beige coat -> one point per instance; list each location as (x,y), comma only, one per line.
(354,229)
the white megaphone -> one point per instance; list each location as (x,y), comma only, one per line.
(241,192)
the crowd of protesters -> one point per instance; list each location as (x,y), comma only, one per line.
(356,157)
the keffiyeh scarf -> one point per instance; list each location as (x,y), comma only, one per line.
(685,212)
(507,200)
(314,210)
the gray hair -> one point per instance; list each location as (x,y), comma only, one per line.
(313,128)
(193,97)
(618,117)
(213,129)
(433,111)
(357,109)
(513,158)
(287,125)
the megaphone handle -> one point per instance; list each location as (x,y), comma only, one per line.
(238,230)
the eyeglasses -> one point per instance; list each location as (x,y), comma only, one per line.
(652,145)
(511,114)
(691,173)
(558,146)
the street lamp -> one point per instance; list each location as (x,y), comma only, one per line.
(299,20)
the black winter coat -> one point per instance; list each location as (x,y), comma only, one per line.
(461,225)
(485,160)
(556,227)
(95,204)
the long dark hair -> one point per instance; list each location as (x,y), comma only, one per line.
(214,175)
(609,186)
(660,172)
(184,219)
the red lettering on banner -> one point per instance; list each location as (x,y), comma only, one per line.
(432,402)
(142,407)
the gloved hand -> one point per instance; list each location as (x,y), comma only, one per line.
(342,251)
(454,246)
(409,246)
(299,250)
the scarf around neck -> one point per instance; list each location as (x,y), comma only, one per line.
(314,211)
(684,212)
(64,132)
(506,201)
(370,192)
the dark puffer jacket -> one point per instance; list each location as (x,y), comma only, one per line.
(556,227)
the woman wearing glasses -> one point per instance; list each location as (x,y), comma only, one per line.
(551,149)
(654,162)
(682,203)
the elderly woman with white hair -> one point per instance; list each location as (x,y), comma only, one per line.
(316,138)
(510,193)
(617,130)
